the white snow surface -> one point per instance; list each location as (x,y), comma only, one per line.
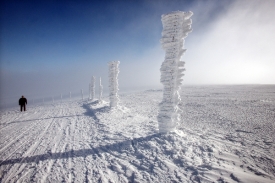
(226,135)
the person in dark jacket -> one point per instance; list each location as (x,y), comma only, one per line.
(22,103)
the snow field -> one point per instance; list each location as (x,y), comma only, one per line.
(88,141)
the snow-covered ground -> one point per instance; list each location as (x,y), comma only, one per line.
(226,135)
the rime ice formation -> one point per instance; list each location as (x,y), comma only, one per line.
(176,26)
(90,91)
(100,91)
(93,88)
(113,83)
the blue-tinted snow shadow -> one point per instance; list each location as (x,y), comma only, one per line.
(92,112)
(89,112)
(120,147)
(23,121)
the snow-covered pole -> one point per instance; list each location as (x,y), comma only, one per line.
(93,88)
(100,90)
(176,26)
(113,83)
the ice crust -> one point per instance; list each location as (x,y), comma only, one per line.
(176,26)
(113,83)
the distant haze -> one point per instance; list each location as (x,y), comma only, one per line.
(49,48)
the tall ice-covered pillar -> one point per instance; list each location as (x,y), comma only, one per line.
(113,83)
(176,26)
(100,90)
(93,88)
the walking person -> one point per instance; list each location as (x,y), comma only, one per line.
(22,103)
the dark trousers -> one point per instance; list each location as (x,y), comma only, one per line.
(21,107)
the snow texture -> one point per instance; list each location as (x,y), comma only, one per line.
(100,90)
(113,83)
(176,26)
(226,135)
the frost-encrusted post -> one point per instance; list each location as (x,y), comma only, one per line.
(113,83)
(93,88)
(90,92)
(176,26)
(100,91)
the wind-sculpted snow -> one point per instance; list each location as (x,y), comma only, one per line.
(176,26)
(113,83)
(226,134)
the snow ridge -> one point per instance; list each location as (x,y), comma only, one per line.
(176,26)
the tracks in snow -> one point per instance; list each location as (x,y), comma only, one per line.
(42,143)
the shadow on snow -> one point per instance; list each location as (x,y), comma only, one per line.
(39,119)
(92,112)
(119,147)
(89,112)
